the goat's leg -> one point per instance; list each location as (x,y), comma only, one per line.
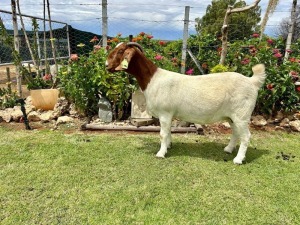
(165,135)
(244,135)
(233,139)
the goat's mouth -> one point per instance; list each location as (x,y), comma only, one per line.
(110,69)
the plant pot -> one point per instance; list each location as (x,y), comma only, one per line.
(44,98)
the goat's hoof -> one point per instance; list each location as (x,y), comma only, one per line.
(228,150)
(159,155)
(238,161)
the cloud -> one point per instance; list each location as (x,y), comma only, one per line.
(160,17)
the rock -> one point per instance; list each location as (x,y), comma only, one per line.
(105,113)
(72,110)
(34,116)
(17,114)
(47,116)
(297,116)
(141,122)
(295,125)
(179,123)
(259,121)
(279,128)
(6,114)
(61,107)
(285,123)
(226,125)
(64,119)
(279,116)
(138,106)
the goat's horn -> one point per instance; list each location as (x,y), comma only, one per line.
(137,45)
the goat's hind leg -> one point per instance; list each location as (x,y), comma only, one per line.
(165,136)
(244,135)
(233,139)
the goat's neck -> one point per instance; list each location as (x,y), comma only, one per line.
(143,69)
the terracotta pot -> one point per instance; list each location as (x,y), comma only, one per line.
(44,98)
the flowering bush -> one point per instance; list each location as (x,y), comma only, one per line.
(279,92)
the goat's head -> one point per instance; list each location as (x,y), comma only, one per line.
(120,57)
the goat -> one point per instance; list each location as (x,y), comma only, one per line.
(202,99)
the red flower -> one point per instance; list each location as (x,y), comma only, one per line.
(275,50)
(94,39)
(142,34)
(245,61)
(204,65)
(161,43)
(189,72)
(270,86)
(289,50)
(255,35)
(293,59)
(298,88)
(149,36)
(119,34)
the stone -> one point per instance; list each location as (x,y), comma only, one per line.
(6,114)
(61,107)
(259,121)
(17,114)
(297,116)
(72,110)
(105,112)
(64,119)
(34,116)
(226,125)
(279,128)
(47,116)
(285,122)
(295,125)
(141,122)
(138,106)
(279,116)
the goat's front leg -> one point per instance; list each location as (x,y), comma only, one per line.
(165,135)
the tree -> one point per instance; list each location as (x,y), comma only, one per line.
(270,9)
(283,28)
(241,24)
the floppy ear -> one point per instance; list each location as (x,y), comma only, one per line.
(127,56)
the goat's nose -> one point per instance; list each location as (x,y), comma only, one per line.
(106,63)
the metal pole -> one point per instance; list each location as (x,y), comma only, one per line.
(185,38)
(104,23)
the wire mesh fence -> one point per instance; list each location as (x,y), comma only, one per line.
(40,36)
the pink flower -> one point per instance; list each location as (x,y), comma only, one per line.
(149,36)
(293,59)
(278,55)
(158,57)
(255,35)
(189,72)
(289,51)
(74,57)
(275,50)
(47,77)
(94,39)
(245,61)
(142,34)
(270,41)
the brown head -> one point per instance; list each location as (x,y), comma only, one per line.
(130,58)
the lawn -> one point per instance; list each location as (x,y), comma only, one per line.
(56,177)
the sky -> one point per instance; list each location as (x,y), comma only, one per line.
(162,19)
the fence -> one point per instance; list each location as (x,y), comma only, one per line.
(60,32)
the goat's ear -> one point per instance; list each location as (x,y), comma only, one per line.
(127,56)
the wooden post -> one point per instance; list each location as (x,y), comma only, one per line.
(8,80)
(291,30)
(16,47)
(104,24)
(185,38)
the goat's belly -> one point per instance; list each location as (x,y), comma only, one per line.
(201,119)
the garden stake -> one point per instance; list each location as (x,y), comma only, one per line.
(26,122)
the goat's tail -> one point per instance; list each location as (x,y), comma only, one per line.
(259,75)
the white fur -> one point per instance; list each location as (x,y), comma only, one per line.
(205,99)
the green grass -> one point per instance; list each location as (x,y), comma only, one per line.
(50,177)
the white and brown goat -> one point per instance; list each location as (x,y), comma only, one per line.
(203,99)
